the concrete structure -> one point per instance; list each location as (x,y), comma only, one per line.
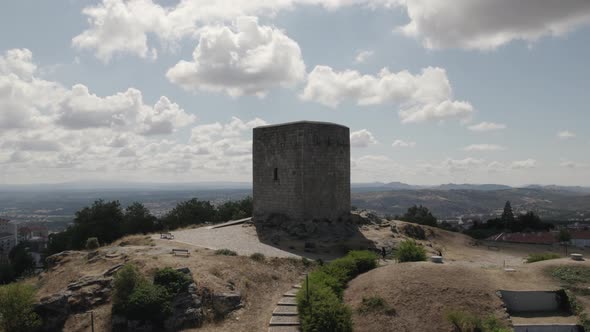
(533,301)
(8,237)
(301,171)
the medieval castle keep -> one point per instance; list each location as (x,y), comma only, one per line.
(301,171)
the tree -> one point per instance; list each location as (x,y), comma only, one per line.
(16,308)
(21,260)
(102,220)
(507,215)
(234,210)
(419,215)
(189,212)
(138,219)
(6,273)
(564,235)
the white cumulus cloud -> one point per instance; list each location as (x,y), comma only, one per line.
(524,164)
(362,138)
(486,126)
(422,97)
(487,24)
(245,58)
(363,56)
(566,134)
(484,147)
(398,143)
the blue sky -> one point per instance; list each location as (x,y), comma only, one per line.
(164,91)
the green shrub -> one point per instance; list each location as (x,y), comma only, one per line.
(16,308)
(541,257)
(326,313)
(410,251)
(149,302)
(258,257)
(324,310)
(173,280)
(225,252)
(92,243)
(322,278)
(126,280)
(364,260)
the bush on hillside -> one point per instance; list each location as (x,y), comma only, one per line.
(137,299)
(173,280)
(541,257)
(16,308)
(410,251)
(258,257)
(92,243)
(125,282)
(225,252)
(324,310)
(149,302)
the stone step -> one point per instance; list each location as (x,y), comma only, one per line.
(287,301)
(285,310)
(291,293)
(284,321)
(297,286)
(284,329)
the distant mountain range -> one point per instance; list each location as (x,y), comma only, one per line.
(212,185)
(558,204)
(465,186)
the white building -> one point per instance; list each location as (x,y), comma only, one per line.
(8,237)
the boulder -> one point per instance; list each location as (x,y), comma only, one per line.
(54,311)
(224,303)
(80,296)
(414,231)
(187,310)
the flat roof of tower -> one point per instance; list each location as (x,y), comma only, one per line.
(303,122)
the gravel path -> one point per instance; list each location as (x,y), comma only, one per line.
(239,238)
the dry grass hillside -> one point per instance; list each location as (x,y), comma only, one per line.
(261,284)
(417,295)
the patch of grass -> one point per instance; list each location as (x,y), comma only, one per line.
(541,257)
(225,252)
(464,321)
(258,257)
(578,309)
(410,251)
(375,304)
(571,275)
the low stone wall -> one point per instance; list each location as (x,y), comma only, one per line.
(548,328)
(534,301)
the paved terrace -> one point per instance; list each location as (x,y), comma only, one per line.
(240,238)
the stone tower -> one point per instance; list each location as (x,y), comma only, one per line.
(301,171)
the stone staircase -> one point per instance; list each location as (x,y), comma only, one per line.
(285,317)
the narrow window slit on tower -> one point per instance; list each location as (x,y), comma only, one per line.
(276,174)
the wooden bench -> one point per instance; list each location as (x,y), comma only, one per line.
(167,236)
(180,252)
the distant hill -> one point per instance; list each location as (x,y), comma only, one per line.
(549,204)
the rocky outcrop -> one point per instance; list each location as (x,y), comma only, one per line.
(365,217)
(224,303)
(80,296)
(411,230)
(54,311)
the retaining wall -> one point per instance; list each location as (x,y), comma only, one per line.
(534,301)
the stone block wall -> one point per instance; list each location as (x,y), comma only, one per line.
(301,170)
